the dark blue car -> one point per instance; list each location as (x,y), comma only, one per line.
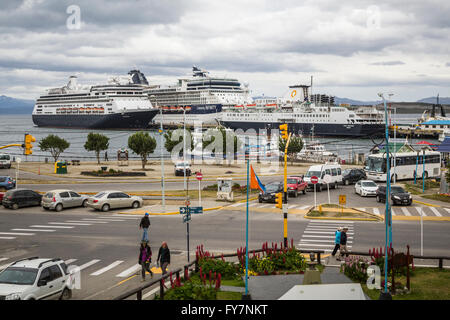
(7,183)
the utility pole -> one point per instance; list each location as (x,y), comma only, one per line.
(161,131)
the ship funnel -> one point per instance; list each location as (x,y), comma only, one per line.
(72,85)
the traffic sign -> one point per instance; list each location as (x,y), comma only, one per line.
(342,199)
(186,218)
(314,179)
(199,176)
(184,210)
(195,210)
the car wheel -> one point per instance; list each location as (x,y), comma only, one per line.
(135,205)
(304,191)
(319,187)
(378,199)
(296,194)
(85,203)
(59,207)
(260,200)
(66,294)
(15,206)
(336,185)
(105,207)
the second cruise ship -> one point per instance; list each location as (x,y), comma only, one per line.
(200,98)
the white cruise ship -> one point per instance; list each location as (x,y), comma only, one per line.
(120,104)
(301,112)
(201,97)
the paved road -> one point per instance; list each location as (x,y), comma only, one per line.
(105,245)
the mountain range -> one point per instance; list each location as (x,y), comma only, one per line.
(9,105)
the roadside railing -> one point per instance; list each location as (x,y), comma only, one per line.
(440,259)
(138,291)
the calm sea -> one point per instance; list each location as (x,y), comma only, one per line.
(13,128)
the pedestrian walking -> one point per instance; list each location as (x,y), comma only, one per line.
(145,224)
(145,258)
(106,155)
(343,247)
(337,241)
(163,257)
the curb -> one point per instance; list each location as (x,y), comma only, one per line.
(375,217)
(427,204)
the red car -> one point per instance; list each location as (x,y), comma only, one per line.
(296,185)
(1,196)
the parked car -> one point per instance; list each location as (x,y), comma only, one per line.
(36,278)
(350,176)
(21,198)
(296,185)
(332,169)
(179,169)
(106,200)
(7,183)
(366,188)
(61,199)
(271,190)
(5,161)
(398,195)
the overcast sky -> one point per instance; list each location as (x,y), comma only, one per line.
(353,49)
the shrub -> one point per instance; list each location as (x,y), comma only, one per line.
(208,263)
(356,268)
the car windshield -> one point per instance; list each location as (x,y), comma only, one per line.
(312,174)
(48,195)
(292,181)
(346,172)
(272,188)
(397,190)
(21,276)
(181,165)
(4,157)
(99,195)
(369,184)
(2,179)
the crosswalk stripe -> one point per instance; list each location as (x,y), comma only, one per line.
(447,209)
(72,224)
(58,227)
(264,205)
(7,238)
(348,233)
(34,230)
(129,271)
(320,245)
(328,241)
(332,222)
(16,234)
(91,222)
(70,261)
(421,211)
(435,211)
(316,236)
(376,211)
(303,207)
(96,219)
(406,212)
(112,265)
(238,204)
(326,227)
(88,264)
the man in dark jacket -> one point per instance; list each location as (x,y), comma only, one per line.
(145,223)
(163,257)
(343,247)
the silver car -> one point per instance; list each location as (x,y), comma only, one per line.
(61,199)
(106,200)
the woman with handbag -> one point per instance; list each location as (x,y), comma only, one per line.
(145,258)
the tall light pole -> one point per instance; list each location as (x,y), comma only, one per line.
(385,295)
(184,147)
(162,157)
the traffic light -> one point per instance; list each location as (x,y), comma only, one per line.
(279,200)
(28,144)
(283,129)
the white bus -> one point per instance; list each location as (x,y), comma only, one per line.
(405,168)
(5,161)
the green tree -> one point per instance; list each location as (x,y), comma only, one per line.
(295,146)
(54,144)
(96,142)
(171,142)
(142,144)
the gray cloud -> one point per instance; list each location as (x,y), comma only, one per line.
(387,63)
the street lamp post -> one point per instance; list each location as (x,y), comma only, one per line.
(423,171)
(386,295)
(417,166)
(162,157)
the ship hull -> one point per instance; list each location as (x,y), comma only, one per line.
(320,129)
(127,120)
